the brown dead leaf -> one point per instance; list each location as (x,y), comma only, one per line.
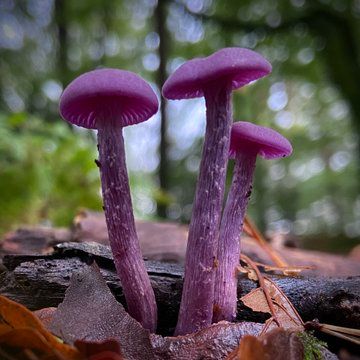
(278,344)
(18,325)
(31,339)
(285,312)
(260,278)
(250,273)
(106,355)
(215,342)
(45,315)
(104,350)
(90,312)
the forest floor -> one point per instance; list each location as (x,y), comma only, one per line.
(37,271)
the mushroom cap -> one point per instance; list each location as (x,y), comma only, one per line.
(250,138)
(238,66)
(108,95)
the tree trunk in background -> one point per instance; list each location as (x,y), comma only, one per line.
(62,70)
(342,59)
(160,19)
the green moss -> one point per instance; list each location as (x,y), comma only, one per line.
(312,346)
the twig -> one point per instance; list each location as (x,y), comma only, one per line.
(252,230)
(262,285)
(349,334)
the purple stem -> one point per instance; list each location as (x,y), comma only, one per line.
(120,222)
(196,308)
(225,294)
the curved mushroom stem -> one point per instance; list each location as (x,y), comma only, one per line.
(196,308)
(120,222)
(225,293)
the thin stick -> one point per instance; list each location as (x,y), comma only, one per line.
(350,338)
(349,334)
(252,230)
(345,330)
(262,285)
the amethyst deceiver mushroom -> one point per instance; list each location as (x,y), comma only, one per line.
(213,77)
(247,141)
(108,100)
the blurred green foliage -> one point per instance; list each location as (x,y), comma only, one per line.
(47,171)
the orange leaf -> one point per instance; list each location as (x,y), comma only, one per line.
(14,316)
(27,339)
(276,345)
(250,348)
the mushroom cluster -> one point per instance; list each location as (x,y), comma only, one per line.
(213,77)
(110,99)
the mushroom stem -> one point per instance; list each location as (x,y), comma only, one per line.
(225,294)
(196,308)
(123,239)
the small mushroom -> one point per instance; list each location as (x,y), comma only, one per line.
(213,77)
(108,100)
(247,141)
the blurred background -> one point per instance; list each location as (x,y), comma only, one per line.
(47,169)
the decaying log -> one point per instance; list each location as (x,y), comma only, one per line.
(40,281)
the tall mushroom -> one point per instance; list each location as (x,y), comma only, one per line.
(213,77)
(247,141)
(108,100)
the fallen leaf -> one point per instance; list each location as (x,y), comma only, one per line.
(30,339)
(214,342)
(90,312)
(106,355)
(260,278)
(285,312)
(250,348)
(45,315)
(19,327)
(250,273)
(9,353)
(278,344)
(103,350)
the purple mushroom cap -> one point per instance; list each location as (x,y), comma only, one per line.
(238,65)
(108,95)
(250,138)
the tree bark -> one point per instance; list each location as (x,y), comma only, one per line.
(39,281)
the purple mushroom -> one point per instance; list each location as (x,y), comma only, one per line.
(247,141)
(213,77)
(108,100)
